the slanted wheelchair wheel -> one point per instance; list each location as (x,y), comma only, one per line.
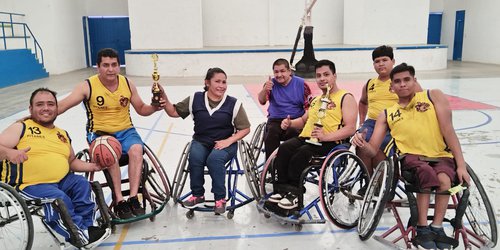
(16,224)
(376,196)
(157,181)
(342,175)
(257,141)
(181,174)
(267,176)
(252,173)
(479,211)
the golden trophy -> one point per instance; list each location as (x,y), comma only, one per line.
(155,100)
(325,100)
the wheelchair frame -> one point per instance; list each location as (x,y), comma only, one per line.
(235,197)
(154,186)
(16,210)
(471,202)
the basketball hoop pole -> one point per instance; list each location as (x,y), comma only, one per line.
(306,16)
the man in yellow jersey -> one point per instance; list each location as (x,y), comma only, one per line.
(38,160)
(375,97)
(107,97)
(422,128)
(339,124)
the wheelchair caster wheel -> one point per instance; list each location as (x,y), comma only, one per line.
(297,227)
(267,216)
(152,218)
(230,214)
(190,214)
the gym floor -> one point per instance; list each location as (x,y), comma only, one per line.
(476,115)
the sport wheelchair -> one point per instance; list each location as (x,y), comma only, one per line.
(154,185)
(479,228)
(235,197)
(253,161)
(16,222)
(338,176)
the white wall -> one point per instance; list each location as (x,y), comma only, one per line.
(369,22)
(106,7)
(481,33)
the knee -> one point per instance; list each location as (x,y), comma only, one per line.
(135,152)
(444,181)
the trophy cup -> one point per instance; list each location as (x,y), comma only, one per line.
(155,100)
(321,114)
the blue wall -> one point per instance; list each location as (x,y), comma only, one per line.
(18,66)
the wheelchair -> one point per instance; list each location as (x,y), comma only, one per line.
(154,186)
(16,222)
(479,229)
(252,156)
(235,197)
(338,176)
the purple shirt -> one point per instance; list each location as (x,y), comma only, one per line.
(287,100)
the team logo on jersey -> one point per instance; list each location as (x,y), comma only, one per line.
(61,137)
(372,87)
(422,106)
(123,101)
(331,105)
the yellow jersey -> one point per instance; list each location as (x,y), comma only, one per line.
(333,115)
(415,128)
(108,111)
(379,97)
(48,159)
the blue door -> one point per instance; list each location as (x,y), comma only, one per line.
(106,32)
(434,30)
(459,35)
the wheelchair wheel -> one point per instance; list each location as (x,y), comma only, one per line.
(181,174)
(267,176)
(342,175)
(257,141)
(16,224)
(251,170)
(377,194)
(157,182)
(479,211)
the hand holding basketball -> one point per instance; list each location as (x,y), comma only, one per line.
(105,151)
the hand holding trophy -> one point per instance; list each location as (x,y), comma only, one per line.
(321,114)
(155,100)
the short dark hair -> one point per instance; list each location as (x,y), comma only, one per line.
(402,68)
(325,62)
(107,52)
(281,61)
(54,94)
(383,50)
(210,74)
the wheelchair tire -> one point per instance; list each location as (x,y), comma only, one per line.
(257,142)
(479,212)
(373,205)
(16,227)
(181,174)
(342,175)
(252,173)
(267,176)
(157,181)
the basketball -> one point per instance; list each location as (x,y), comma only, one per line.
(105,150)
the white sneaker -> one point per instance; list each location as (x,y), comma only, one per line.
(276,197)
(290,201)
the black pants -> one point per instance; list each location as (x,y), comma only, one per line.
(274,135)
(294,156)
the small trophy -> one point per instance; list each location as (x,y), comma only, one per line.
(155,100)
(321,114)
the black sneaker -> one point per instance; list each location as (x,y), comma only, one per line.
(425,238)
(122,210)
(135,206)
(441,244)
(290,201)
(96,236)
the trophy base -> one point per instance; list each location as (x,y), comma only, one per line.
(314,142)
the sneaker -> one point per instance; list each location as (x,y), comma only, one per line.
(439,231)
(276,197)
(194,201)
(135,206)
(96,236)
(425,238)
(220,206)
(122,210)
(290,201)
(362,191)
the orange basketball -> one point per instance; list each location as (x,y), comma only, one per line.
(105,150)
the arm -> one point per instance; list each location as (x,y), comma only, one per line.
(9,139)
(79,93)
(266,91)
(377,138)
(78,165)
(349,117)
(242,126)
(169,107)
(363,105)
(444,116)
(140,107)
(296,123)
